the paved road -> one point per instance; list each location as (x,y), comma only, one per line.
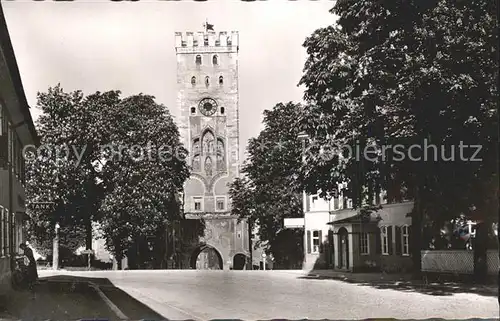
(253,295)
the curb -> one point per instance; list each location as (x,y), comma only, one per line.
(103,297)
(108,302)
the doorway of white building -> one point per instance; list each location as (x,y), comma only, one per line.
(343,248)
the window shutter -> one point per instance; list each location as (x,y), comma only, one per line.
(399,240)
(410,240)
(308,242)
(389,239)
(330,241)
(321,241)
(378,242)
(3,150)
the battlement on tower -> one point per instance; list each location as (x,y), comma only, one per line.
(206,39)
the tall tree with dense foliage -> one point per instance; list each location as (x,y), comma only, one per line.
(145,170)
(269,191)
(62,170)
(410,73)
(105,159)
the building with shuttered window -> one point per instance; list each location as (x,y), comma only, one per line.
(339,237)
(16,132)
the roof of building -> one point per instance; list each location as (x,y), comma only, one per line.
(10,60)
(356,217)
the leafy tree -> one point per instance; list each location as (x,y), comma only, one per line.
(55,172)
(95,175)
(143,173)
(269,192)
(410,73)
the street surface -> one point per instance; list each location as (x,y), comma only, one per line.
(254,295)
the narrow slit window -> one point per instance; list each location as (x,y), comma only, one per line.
(221,80)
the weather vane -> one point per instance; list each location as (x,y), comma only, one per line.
(208,26)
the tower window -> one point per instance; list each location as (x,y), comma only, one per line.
(207,81)
(222,110)
(215,60)
(197,203)
(221,80)
(193,110)
(220,203)
(193,80)
(198,59)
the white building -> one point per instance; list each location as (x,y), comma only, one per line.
(337,237)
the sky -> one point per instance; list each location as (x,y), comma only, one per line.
(102,45)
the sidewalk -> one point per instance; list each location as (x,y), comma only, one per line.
(54,301)
(402,282)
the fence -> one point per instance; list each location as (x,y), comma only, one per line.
(456,261)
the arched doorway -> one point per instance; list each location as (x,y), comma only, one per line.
(343,248)
(239,261)
(206,257)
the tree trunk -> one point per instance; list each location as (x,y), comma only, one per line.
(416,240)
(88,230)
(250,245)
(480,247)
(119,262)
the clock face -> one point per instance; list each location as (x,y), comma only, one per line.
(208,106)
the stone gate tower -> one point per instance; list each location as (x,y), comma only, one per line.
(207,81)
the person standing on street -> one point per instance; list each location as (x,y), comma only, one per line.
(32,271)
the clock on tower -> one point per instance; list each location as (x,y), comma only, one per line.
(208,106)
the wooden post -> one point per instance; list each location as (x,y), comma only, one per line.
(55,249)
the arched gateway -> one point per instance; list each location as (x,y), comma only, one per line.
(240,261)
(206,257)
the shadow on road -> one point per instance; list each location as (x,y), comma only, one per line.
(132,308)
(437,289)
(54,301)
